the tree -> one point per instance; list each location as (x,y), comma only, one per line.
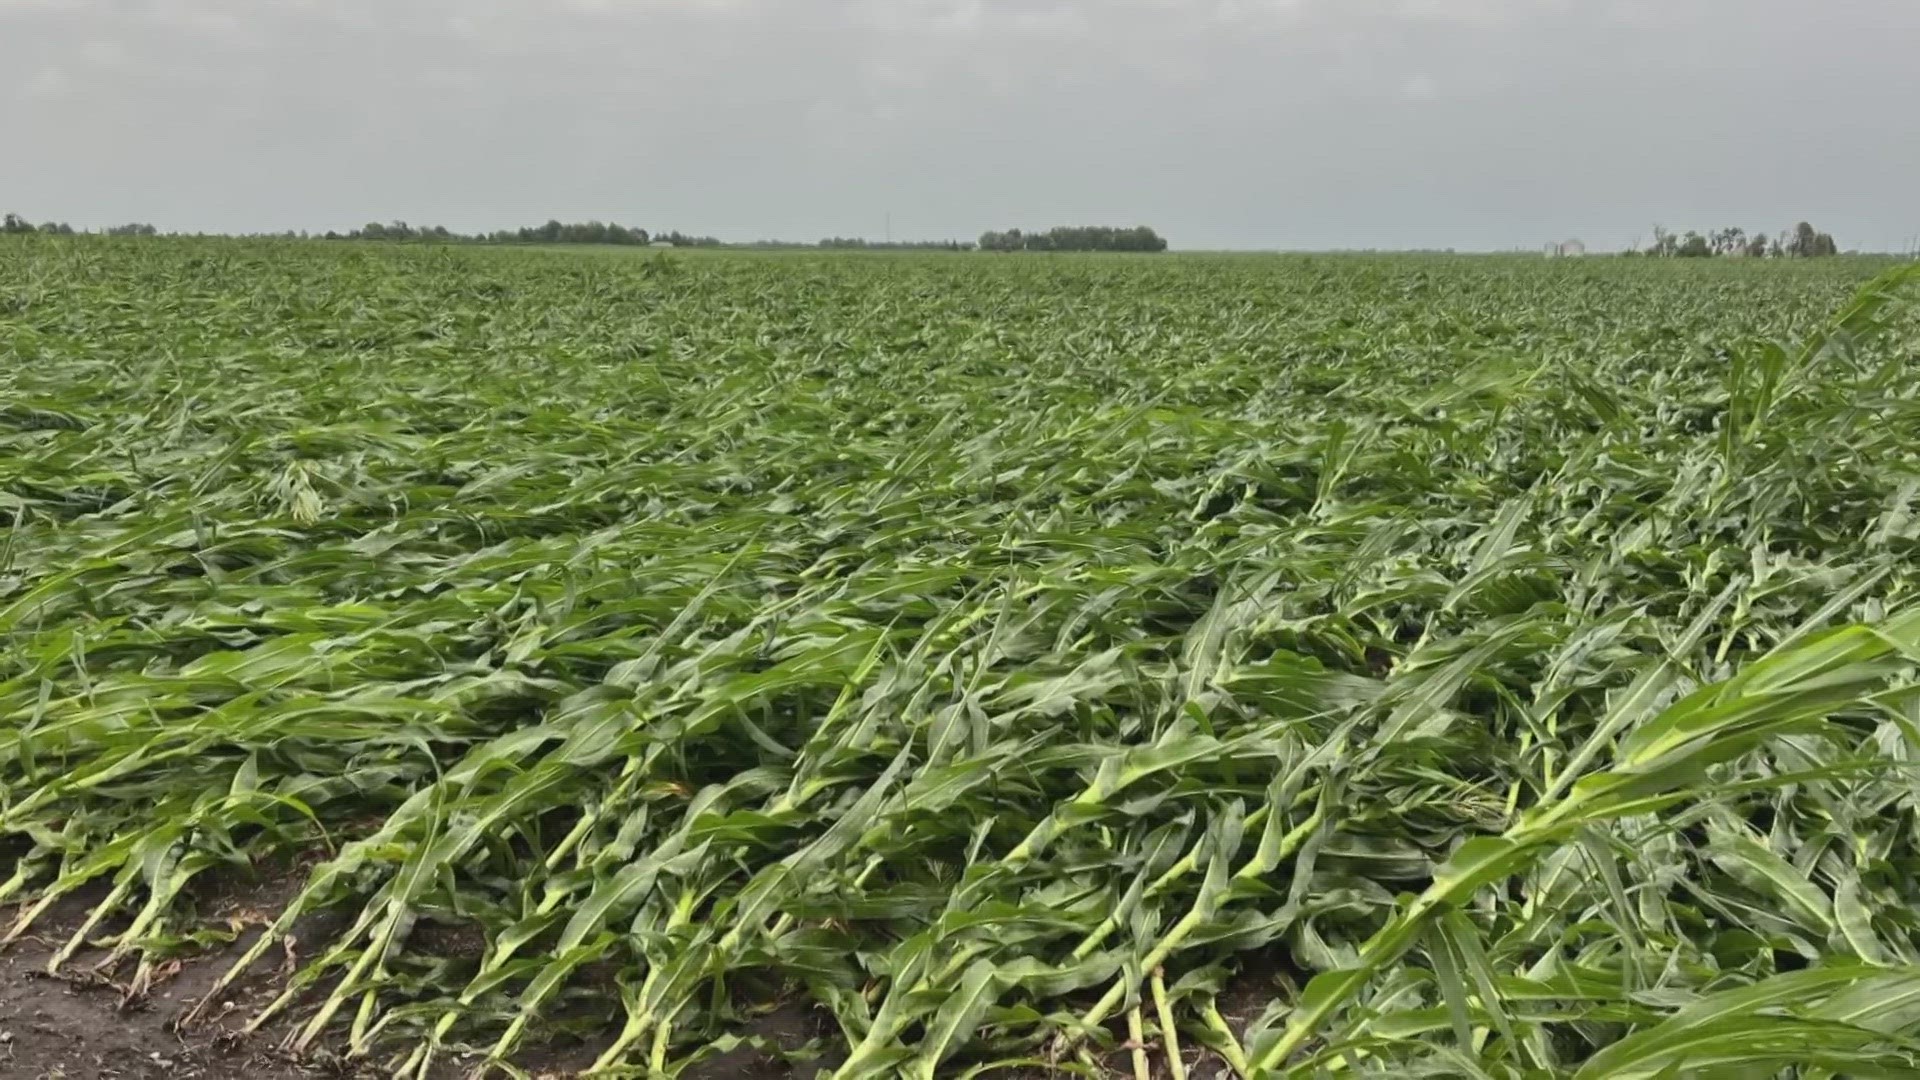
(15,224)
(1011,240)
(855,243)
(1075,238)
(1807,242)
(680,239)
(1729,241)
(1802,241)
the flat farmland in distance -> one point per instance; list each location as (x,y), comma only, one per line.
(442,659)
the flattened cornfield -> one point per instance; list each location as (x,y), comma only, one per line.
(1273,666)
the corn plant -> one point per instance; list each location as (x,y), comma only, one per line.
(1325,666)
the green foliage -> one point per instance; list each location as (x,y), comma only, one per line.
(1803,242)
(854,243)
(553,232)
(1485,667)
(680,239)
(15,225)
(1807,242)
(1075,238)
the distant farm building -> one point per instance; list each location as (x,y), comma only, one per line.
(1566,249)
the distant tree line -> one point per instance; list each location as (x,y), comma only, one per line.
(854,243)
(582,232)
(1803,241)
(595,232)
(1075,238)
(397,230)
(14,224)
(680,239)
(553,232)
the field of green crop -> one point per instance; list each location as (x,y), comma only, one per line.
(1172,666)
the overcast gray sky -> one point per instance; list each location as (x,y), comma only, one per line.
(1224,123)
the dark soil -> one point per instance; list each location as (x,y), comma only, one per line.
(84,1024)
(81,1026)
